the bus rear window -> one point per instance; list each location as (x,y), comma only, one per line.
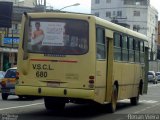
(58,36)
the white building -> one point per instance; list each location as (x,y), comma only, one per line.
(25,3)
(137,15)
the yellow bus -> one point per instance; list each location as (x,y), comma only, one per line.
(80,58)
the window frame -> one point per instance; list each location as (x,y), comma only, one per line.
(117,47)
(119,13)
(131,49)
(108,13)
(58,20)
(124,48)
(102,45)
(137,50)
(136,13)
(97,1)
(135,54)
(108,1)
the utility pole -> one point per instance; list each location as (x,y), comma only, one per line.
(44,5)
(151,53)
(12,38)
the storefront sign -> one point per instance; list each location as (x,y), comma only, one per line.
(8,50)
(10,40)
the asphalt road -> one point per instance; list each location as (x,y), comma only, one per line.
(33,109)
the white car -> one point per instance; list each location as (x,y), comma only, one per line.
(2,73)
(158,76)
(152,77)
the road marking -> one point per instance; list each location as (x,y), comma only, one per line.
(1,109)
(147,108)
(154,85)
(141,101)
(148,101)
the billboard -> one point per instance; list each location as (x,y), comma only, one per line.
(6,14)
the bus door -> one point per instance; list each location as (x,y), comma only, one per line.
(101,64)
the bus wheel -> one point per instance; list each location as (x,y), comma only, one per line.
(20,97)
(114,97)
(53,104)
(4,96)
(135,100)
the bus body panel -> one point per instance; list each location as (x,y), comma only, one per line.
(64,73)
(128,76)
(56,91)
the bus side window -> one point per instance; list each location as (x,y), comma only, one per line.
(100,40)
(117,47)
(131,50)
(137,50)
(141,51)
(124,48)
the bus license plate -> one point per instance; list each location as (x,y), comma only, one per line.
(12,90)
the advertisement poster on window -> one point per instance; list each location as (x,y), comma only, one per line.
(47,33)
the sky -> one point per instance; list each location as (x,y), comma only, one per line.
(85,5)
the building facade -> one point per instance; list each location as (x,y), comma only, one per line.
(137,15)
(10,37)
(159,33)
(22,3)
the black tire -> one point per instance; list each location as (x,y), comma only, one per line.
(52,104)
(4,96)
(113,104)
(134,100)
(20,97)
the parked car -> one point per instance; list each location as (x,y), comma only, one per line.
(158,76)
(2,73)
(152,77)
(8,83)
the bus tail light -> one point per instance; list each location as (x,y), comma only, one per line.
(3,84)
(91,81)
(91,77)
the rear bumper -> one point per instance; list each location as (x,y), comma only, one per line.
(55,92)
(151,80)
(9,91)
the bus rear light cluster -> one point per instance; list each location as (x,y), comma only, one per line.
(91,81)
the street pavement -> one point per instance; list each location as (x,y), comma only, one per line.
(33,109)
